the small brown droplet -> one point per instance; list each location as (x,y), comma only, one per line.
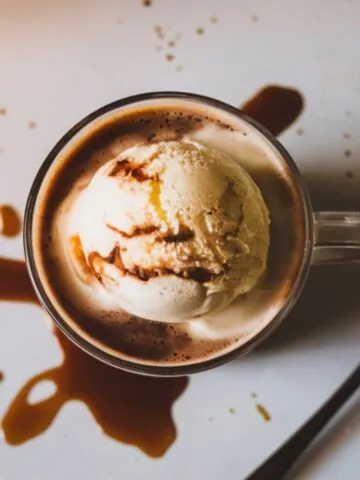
(10,223)
(159,32)
(3,111)
(147,3)
(232,411)
(213,19)
(349,174)
(254,18)
(253,395)
(32,124)
(200,30)
(347,153)
(1,376)
(300,131)
(346,135)
(263,412)
(169,57)
(171,43)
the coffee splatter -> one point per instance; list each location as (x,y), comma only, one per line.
(346,135)
(32,124)
(3,111)
(254,18)
(130,408)
(275,107)
(263,412)
(253,395)
(169,57)
(200,31)
(213,19)
(147,3)
(171,43)
(10,223)
(300,131)
(15,284)
(232,411)
(1,376)
(347,153)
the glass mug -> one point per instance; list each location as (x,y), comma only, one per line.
(296,242)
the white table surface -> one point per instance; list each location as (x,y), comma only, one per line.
(59,60)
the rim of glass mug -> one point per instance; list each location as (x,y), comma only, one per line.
(173,370)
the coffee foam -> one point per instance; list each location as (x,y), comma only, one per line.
(152,342)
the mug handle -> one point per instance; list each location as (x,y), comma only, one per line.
(336,237)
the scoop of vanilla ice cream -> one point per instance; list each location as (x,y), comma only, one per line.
(172,230)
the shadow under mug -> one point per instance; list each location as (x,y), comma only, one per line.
(326,237)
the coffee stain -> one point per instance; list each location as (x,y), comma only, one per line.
(263,412)
(1,376)
(275,107)
(131,409)
(10,222)
(15,284)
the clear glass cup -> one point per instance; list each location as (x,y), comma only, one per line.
(328,237)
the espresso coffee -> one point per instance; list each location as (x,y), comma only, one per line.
(114,334)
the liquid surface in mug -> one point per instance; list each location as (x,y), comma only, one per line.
(82,304)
